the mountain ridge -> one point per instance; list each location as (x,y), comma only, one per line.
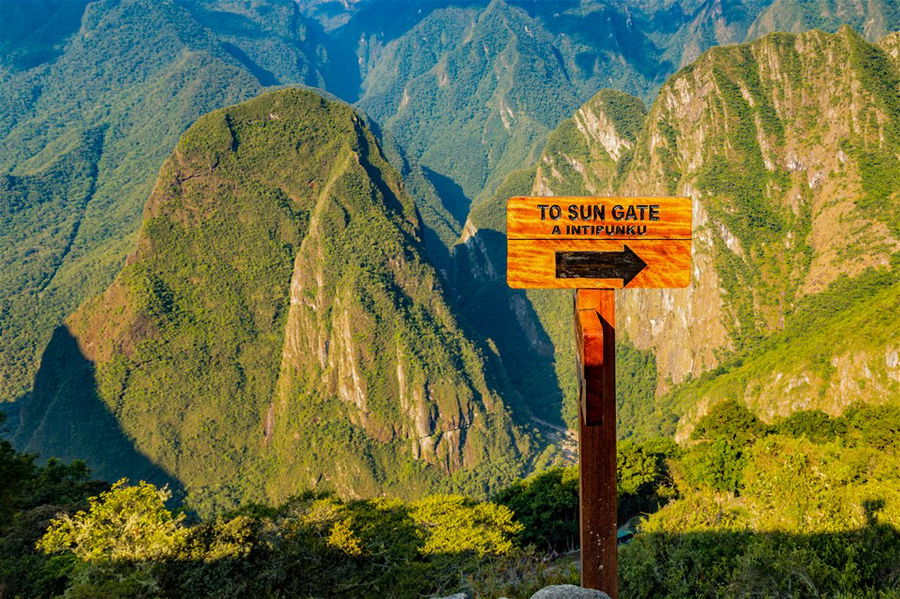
(749,132)
(231,361)
(144,71)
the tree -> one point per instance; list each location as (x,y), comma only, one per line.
(815,425)
(875,426)
(547,505)
(456,524)
(126,523)
(717,464)
(644,483)
(732,421)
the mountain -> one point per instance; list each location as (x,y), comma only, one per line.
(470,92)
(277,328)
(94,95)
(874,19)
(82,135)
(34,32)
(789,146)
(532,329)
(471,89)
(109,85)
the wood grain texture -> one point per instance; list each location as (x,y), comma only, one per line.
(595,350)
(588,358)
(525,219)
(600,301)
(595,332)
(531,264)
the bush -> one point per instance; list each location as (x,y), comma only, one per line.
(814,425)
(124,523)
(547,506)
(730,421)
(717,465)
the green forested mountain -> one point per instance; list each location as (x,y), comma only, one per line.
(32,33)
(276,328)
(789,147)
(532,329)
(470,92)
(82,136)
(874,19)
(471,89)
(110,84)
(95,95)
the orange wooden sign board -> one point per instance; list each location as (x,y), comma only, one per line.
(596,245)
(599,243)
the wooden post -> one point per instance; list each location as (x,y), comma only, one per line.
(557,243)
(595,335)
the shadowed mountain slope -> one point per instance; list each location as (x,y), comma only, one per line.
(81,138)
(790,148)
(277,328)
(468,90)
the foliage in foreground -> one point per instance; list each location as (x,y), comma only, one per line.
(128,542)
(804,507)
(30,497)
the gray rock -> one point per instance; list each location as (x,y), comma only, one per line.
(569,591)
(456,596)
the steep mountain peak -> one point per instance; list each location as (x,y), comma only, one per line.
(890,44)
(495,7)
(277,327)
(489,81)
(778,141)
(873,19)
(789,148)
(624,113)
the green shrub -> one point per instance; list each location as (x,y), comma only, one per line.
(814,425)
(547,506)
(718,465)
(731,422)
(122,524)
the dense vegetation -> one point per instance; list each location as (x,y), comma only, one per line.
(86,121)
(837,321)
(277,327)
(112,85)
(804,507)
(781,308)
(802,15)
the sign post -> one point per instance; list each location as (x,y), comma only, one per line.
(597,245)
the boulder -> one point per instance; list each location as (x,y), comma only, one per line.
(569,591)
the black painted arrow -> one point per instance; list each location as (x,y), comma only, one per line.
(623,265)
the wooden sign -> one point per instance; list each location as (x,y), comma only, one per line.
(599,243)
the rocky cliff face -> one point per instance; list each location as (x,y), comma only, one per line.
(789,148)
(781,143)
(276,327)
